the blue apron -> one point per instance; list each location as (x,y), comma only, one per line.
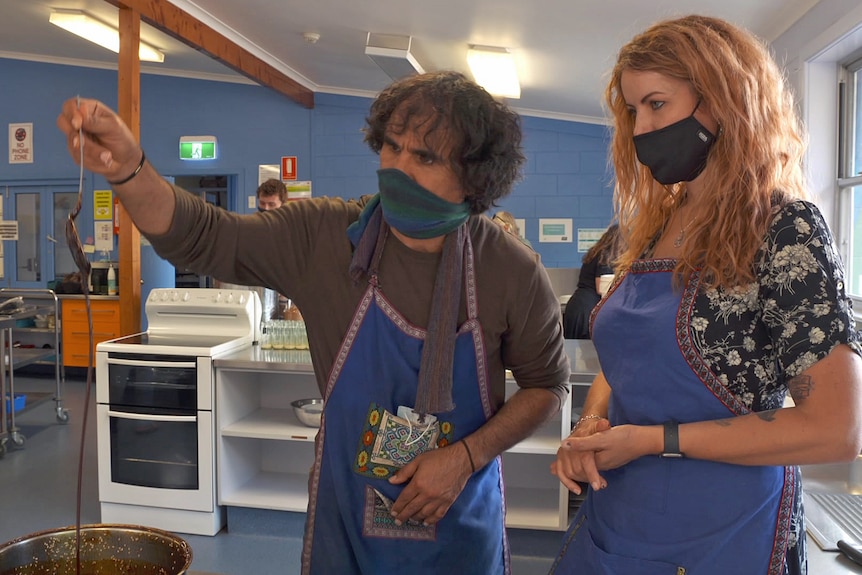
(348,530)
(671,516)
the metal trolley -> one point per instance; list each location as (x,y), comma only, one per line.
(26,304)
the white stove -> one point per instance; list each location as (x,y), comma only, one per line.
(155,407)
(197,321)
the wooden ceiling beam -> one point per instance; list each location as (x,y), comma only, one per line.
(175,22)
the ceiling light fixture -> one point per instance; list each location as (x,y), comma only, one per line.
(392,53)
(82,24)
(494,69)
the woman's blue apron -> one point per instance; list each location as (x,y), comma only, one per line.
(670,516)
(349,530)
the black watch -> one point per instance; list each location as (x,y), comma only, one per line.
(671,440)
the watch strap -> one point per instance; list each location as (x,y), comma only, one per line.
(671,440)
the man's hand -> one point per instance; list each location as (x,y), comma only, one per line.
(110,148)
(433,480)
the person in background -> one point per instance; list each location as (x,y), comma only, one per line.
(414,311)
(598,261)
(731,296)
(271,195)
(507,221)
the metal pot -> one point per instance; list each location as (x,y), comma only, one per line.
(106,549)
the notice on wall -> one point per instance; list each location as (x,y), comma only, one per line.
(21,143)
(268,172)
(587,238)
(8,230)
(103,205)
(555,230)
(298,190)
(104,236)
(2,264)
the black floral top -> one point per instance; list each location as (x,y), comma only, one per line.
(745,343)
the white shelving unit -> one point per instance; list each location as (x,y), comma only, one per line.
(535,499)
(265,453)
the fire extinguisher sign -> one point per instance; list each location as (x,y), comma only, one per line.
(21,143)
(288,167)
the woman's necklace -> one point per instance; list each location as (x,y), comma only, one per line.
(681,237)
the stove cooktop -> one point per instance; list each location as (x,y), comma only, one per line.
(177,344)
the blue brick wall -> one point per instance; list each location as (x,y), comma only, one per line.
(566,174)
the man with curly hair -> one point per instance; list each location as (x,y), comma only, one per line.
(415,305)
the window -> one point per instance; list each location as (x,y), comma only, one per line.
(849,183)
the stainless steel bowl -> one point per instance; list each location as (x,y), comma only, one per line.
(308,411)
(105,549)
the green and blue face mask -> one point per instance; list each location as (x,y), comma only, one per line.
(409,208)
(415,211)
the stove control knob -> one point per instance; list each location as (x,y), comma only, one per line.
(241,299)
(230,298)
(187,296)
(218,297)
(165,296)
(175,296)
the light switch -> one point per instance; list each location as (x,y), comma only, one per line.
(252,202)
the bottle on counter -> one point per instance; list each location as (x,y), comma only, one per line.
(112,280)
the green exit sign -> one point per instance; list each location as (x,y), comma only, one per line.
(198,148)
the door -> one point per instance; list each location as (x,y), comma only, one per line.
(40,254)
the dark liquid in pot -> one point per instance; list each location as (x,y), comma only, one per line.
(99,567)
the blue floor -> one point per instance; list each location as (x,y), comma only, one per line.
(38,492)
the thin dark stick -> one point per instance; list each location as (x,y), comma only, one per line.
(73,240)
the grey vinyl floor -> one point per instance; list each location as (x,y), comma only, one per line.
(38,483)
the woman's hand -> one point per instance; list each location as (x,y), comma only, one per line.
(586,452)
(573,465)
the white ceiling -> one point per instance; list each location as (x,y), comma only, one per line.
(563,48)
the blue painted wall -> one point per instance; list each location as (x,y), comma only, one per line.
(566,175)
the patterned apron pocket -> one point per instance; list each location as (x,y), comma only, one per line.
(388,442)
(378,521)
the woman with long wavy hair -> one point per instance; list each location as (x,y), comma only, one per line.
(730,296)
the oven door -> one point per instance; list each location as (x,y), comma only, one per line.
(147,380)
(156,460)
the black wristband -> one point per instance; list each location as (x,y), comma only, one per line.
(671,440)
(469,456)
(133,174)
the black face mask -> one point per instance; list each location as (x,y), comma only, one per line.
(675,153)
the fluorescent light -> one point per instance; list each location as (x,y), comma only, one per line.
(83,25)
(494,69)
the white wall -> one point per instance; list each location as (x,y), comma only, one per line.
(811,51)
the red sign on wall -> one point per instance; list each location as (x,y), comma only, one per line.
(288,167)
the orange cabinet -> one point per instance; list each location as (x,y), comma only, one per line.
(75,328)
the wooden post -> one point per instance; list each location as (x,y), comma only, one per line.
(129,109)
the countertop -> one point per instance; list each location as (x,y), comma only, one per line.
(581,352)
(62,296)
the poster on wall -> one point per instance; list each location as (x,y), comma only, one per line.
(587,238)
(555,230)
(104,234)
(21,143)
(268,172)
(103,205)
(2,266)
(298,190)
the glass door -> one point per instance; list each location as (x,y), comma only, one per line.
(40,253)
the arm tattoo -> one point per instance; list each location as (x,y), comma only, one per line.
(800,387)
(768,415)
